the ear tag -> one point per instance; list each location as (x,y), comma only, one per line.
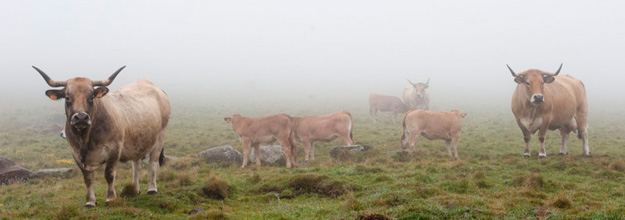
(228,121)
(53,97)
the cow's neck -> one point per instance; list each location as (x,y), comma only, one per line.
(82,139)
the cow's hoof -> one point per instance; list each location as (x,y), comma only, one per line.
(106,203)
(542,156)
(88,206)
(152,192)
(563,153)
(526,156)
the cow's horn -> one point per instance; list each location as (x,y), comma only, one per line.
(556,73)
(109,80)
(513,74)
(50,82)
(411,82)
(428,82)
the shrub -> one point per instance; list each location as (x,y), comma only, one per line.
(129,191)
(216,188)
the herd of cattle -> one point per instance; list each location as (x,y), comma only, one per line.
(130,124)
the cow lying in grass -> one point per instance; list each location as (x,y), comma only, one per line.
(432,125)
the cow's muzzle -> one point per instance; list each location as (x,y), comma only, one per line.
(80,120)
(537,98)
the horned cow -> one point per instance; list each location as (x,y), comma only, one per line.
(384,103)
(103,129)
(416,96)
(545,101)
(325,128)
(255,131)
(432,125)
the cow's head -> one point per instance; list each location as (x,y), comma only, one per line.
(461,114)
(79,94)
(420,87)
(534,80)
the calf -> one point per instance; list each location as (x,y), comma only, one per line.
(385,103)
(323,128)
(432,125)
(256,131)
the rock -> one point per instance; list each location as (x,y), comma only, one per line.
(197,210)
(14,173)
(343,153)
(219,154)
(62,172)
(5,163)
(268,154)
(167,159)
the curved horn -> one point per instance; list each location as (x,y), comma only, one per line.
(513,74)
(557,72)
(428,82)
(411,82)
(50,82)
(109,80)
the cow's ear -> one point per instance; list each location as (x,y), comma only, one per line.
(228,119)
(519,79)
(463,115)
(55,94)
(100,91)
(548,79)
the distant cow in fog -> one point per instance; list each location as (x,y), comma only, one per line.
(384,103)
(127,125)
(416,95)
(545,101)
(323,128)
(255,131)
(432,125)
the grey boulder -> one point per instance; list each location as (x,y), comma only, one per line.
(268,154)
(219,154)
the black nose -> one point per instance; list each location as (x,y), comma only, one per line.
(80,118)
(538,98)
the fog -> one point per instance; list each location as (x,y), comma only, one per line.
(300,53)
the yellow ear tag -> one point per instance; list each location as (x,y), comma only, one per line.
(99,95)
(53,97)
(228,121)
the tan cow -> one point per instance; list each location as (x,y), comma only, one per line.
(385,103)
(432,125)
(127,125)
(324,128)
(545,101)
(255,131)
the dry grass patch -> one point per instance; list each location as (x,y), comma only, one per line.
(129,191)
(216,188)
(562,202)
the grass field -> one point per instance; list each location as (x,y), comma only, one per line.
(491,180)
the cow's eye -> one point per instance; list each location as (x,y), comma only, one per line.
(90,100)
(527,83)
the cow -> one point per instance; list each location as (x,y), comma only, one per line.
(416,96)
(324,128)
(545,101)
(255,131)
(432,125)
(384,103)
(127,125)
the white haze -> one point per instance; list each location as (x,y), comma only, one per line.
(293,52)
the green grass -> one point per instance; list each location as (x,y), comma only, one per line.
(491,179)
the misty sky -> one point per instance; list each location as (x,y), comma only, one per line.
(321,49)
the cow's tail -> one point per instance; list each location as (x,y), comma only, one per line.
(161,158)
(405,134)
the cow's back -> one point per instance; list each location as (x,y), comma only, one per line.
(433,125)
(322,126)
(565,95)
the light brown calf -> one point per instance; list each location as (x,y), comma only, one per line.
(255,131)
(323,128)
(385,103)
(432,125)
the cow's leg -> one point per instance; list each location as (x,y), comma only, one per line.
(542,153)
(307,145)
(373,112)
(448,143)
(413,140)
(88,178)
(109,175)
(312,150)
(256,147)
(564,132)
(346,140)
(582,130)
(154,162)
(294,154)
(454,143)
(286,147)
(136,172)
(527,136)
(246,151)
